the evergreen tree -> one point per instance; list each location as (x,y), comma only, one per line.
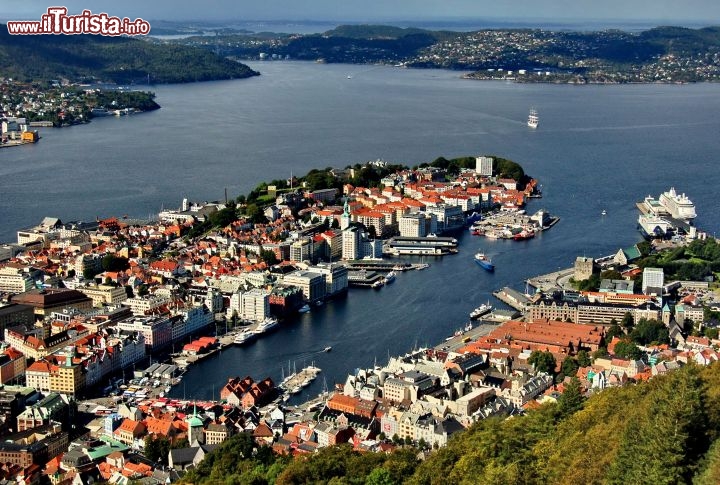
(572,398)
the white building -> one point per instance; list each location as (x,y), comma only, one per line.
(418,224)
(352,243)
(448,216)
(310,283)
(255,305)
(653,281)
(140,305)
(336,276)
(13,280)
(483,166)
(104,294)
(301,250)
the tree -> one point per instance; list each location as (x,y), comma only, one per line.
(666,433)
(269,257)
(649,331)
(89,273)
(542,361)
(379,476)
(625,349)
(372,232)
(600,353)
(613,331)
(569,367)
(583,359)
(335,224)
(157,449)
(572,398)
(110,262)
(627,321)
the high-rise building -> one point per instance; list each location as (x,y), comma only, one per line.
(483,166)
(653,281)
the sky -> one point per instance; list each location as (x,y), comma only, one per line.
(680,12)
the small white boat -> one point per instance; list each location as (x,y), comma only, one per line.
(304,309)
(603,213)
(327,349)
(533,119)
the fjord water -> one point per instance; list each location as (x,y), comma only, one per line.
(597,148)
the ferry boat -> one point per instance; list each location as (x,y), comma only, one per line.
(533,118)
(266,325)
(480,311)
(243,337)
(484,262)
(390,277)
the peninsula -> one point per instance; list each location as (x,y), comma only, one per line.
(662,54)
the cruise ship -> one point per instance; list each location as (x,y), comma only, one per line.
(678,206)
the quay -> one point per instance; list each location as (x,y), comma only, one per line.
(499,316)
(557,280)
(379,265)
(465,336)
(514,225)
(365,279)
(512,297)
(295,382)
(422,246)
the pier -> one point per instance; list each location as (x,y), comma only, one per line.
(557,280)
(295,382)
(365,279)
(513,298)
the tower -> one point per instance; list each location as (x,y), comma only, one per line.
(195,429)
(345,218)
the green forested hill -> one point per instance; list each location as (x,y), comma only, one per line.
(119,60)
(664,431)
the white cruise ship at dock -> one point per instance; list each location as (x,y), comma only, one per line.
(669,204)
(678,206)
